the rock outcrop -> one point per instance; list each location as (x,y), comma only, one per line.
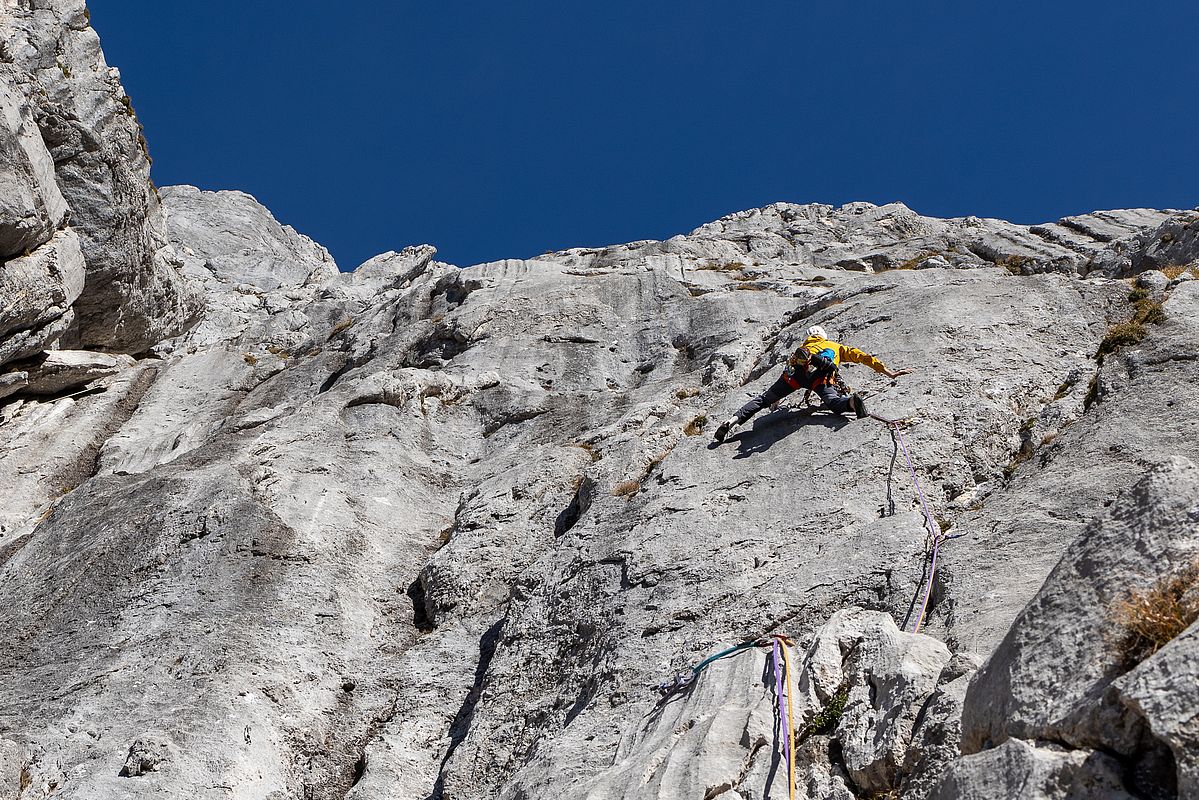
(72,140)
(1060,678)
(425,532)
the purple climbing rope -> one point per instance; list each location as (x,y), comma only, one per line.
(778,693)
(934,530)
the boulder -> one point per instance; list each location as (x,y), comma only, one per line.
(392,270)
(1018,769)
(884,676)
(1164,691)
(37,292)
(1057,676)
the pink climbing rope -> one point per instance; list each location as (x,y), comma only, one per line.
(934,531)
(778,693)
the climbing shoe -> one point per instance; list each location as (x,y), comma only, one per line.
(857,405)
(725,428)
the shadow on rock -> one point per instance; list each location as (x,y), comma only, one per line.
(778,425)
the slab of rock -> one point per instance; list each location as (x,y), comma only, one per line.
(59,370)
(1164,691)
(12,382)
(1172,243)
(1056,675)
(886,676)
(392,270)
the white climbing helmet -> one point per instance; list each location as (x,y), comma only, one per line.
(818,331)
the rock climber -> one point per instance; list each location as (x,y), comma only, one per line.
(813,366)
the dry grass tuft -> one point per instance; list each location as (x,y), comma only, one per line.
(687,391)
(723,266)
(1151,618)
(1174,271)
(340,327)
(912,263)
(626,489)
(696,426)
(590,450)
(1013,263)
(1120,335)
(1149,311)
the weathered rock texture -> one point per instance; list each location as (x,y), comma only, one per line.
(1061,676)
(426,532)
(69,138)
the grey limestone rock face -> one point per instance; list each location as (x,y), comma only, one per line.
(31,206)
(1018,769)
(1163,691)
(886,677)
(135,294)
(437,538)
(1173,243)
(60,370)
(426,532)
(391,270)
(753,246)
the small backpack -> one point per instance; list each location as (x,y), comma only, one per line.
(824,363)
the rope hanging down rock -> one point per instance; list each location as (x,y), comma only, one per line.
(787,719)
(935,538)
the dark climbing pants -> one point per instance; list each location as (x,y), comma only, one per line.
(832,399)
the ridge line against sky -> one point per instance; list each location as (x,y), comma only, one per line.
(494,132)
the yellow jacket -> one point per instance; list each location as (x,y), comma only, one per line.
(814,344)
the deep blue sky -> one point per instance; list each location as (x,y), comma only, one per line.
(505,129)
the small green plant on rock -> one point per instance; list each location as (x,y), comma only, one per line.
(1152,617)
(830,715)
